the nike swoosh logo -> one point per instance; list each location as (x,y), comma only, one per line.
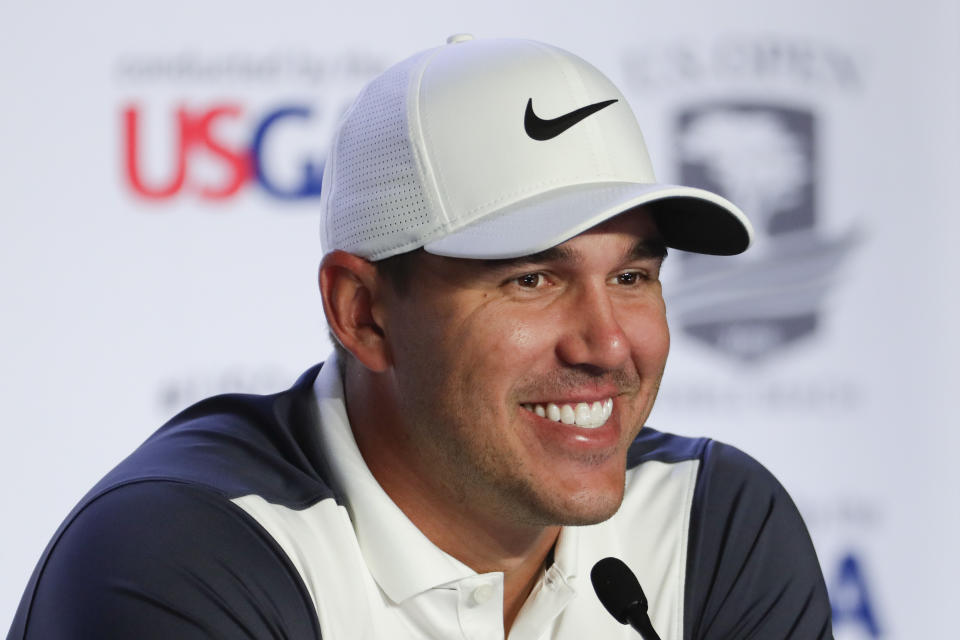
(540,129)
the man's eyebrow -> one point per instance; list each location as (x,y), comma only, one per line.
(648,248)
(553,254)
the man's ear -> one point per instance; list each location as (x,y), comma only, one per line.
(350,289)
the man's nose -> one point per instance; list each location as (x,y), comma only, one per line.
(592,333)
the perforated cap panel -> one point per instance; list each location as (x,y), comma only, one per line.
(377,206)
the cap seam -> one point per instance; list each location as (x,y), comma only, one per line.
(330,165)
(579,91)
(421,154)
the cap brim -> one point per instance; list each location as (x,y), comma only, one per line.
(688,218)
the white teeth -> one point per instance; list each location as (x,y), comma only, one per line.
(553,412)
(582,414)
(596,413)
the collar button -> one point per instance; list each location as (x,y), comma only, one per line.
(482,594)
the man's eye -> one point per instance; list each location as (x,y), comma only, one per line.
(530,280)
(629,277)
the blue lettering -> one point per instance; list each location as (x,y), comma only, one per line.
(850,599)
(312,174)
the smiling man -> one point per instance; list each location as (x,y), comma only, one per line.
(493,239)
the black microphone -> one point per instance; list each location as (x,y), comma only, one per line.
(620,592)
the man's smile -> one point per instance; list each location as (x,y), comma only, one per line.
(589,415)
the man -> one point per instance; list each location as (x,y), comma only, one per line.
(493,235)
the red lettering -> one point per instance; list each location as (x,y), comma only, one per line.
(131,118)
(194,133)
(240,162)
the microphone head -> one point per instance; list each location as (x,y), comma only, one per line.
(617,588)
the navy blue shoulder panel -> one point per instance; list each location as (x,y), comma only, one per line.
(239,445)
(155,560)
(752,571)
(218,449)
(652,445)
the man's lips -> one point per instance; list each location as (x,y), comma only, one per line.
(587,415)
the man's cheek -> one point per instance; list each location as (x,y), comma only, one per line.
(522,336)
(649,336)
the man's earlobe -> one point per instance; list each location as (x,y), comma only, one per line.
(349,288)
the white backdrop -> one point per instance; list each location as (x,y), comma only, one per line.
(828,354)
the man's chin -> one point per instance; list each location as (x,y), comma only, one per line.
(579,510)
(594,515)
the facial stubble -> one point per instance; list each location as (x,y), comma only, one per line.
(496,480)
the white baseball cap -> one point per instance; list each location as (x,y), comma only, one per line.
(498,149)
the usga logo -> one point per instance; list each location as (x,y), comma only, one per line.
(762,157)
(195,133)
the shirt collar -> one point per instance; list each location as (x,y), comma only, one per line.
(566,554)
(402,560)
